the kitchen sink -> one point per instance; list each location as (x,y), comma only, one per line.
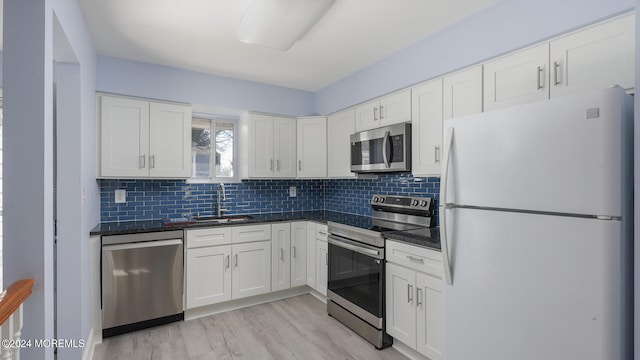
(222,219)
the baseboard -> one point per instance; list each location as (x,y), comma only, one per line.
(244,302)
(318,296)
(407,351)
(90,346)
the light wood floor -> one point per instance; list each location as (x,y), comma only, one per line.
(294,328)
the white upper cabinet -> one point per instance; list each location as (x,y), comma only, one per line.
(391,109)
(517,78)
(340,126)
(312,147)
(593,58)
(271,146)
(589,59)
(143,139)
(462,93)
(426,131)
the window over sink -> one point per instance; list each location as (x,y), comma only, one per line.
(213,150)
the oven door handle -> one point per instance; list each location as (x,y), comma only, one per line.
(354,246)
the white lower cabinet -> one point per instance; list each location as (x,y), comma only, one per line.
(219,269)
(414,300)
(298,253)
(317,257)
(280,256)
(322,266)
(251,269)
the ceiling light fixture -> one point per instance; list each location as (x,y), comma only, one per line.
(278,24)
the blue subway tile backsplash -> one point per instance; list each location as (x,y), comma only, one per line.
(162,199)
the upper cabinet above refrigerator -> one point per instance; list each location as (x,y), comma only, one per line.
(592,58)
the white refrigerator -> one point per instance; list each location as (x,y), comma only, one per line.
(536,230)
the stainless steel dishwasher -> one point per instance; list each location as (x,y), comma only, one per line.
(142,281)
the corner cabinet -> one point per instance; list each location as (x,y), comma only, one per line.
(426,131)
(388,110)
(271,148)
(143,139)
(414,299)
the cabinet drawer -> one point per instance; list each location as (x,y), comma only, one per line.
(414,257)
(243,234)
(208,237)
(322,232)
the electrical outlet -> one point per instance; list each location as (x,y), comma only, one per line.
(121,196)
(292,191)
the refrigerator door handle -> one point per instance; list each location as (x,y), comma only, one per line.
(443,209)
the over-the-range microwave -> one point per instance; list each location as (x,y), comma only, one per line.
(385,149)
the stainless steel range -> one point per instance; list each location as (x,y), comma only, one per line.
(356,287)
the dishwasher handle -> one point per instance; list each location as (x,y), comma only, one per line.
(141,245)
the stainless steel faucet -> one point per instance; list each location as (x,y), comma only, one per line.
(224,198)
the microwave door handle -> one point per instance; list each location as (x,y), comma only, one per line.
(385,146)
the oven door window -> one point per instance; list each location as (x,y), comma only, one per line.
(357,278)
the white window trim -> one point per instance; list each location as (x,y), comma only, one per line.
(236,149)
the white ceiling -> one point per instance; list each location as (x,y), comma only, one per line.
(199,35)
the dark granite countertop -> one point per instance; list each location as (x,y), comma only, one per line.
(425,237)
(135,227)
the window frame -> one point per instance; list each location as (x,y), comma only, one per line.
(213,179)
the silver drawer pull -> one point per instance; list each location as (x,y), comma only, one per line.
(415,259)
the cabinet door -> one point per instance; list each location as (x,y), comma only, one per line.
(311,254)
(368,116)
(462,93)
(400,304)
(169,140)
(395,108)
(284,147)
(430,310)
(594,58)
(426,131)
(298,253)
(517,79)
(280,256)
(312,147)
(208,276)
(251,274)
(261,159)
(124,137)
(322,264)
(340,126)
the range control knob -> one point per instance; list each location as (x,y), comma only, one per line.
(381,199)
(423,203)
(414,202)
(375,199)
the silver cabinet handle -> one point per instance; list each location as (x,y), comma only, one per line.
(300,165)
(443,209)
(152,161)
(375,113)
(271,164)
(236,260)
(409,293)
(540,71)
(556,65)
(281,254)
(436,153)
(322,232)
(277,165)
(418,301)
(142,161)
(415,259)
(381,112)
(294,251)
(228,261)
